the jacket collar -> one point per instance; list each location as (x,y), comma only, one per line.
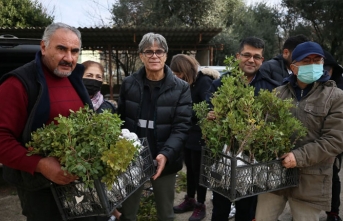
(169,80)
(292,79)
(214,74)
(300,93)
(258,76)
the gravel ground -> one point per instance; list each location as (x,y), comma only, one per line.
(10,206)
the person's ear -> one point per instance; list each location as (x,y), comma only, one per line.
(42,47)
(294,69)
(237,55)
(286,53)
(141,57)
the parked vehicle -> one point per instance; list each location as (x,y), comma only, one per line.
(221,69)
(15,52)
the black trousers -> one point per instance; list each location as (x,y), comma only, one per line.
(336,185)
(245,208)
(41,206)
(193,163)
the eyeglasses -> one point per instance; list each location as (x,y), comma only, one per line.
(317,60)
(256,56)
(150,53)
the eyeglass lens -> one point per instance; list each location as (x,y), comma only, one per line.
(317,60)
(248,56)
(150,53)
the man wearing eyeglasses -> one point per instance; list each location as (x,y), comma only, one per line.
(319,106)
(155,104)
(250,57)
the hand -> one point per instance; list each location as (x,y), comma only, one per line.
(51,169)
(161,163)
(289,160)
(211,115)
(117,214)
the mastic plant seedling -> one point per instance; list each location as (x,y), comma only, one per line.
(260,126)
(86,144)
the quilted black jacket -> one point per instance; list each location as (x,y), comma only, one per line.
(171,114)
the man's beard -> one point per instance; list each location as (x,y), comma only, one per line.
(61,74)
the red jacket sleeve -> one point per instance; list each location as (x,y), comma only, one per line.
(13,116)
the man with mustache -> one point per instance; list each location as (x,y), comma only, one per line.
(31,96)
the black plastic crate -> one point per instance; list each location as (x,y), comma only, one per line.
(76,200)
(235,178)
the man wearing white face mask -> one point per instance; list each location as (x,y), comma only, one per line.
(319,106)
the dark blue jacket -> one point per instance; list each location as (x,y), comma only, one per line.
(199,90)
(106,105)
(275,69)
(259,82)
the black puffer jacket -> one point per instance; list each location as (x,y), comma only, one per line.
(275,69)
(200,90)
(171,115)
(106,105)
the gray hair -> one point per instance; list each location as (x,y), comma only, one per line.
(149,39)
(50,30)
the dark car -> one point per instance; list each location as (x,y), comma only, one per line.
(14,52)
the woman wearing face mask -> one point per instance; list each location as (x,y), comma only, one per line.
(92,79)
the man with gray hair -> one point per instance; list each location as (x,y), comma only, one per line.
(32,96)
(155,104)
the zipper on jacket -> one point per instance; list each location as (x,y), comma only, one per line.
(149,114)
(148,120)
(301,96)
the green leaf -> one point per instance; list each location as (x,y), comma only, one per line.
(262,125)
(86,144)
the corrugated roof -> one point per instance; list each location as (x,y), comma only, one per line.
(128,38)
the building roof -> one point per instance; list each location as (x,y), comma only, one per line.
(128,38)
